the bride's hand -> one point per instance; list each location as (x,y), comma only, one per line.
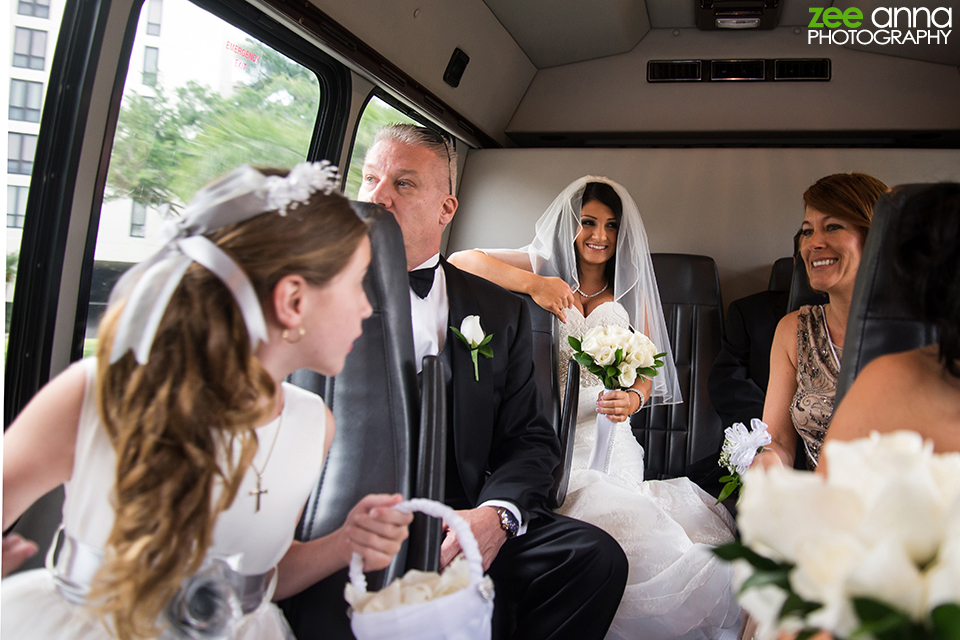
(555,296)
(618,406)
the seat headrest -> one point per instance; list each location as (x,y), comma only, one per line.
(686,279)
(781,275)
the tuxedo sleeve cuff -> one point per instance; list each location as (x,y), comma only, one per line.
(512,508)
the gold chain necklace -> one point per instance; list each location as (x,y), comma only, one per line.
(259,491)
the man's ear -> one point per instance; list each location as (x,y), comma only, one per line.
(288,300)
(447,209)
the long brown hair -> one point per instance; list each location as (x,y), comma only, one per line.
(184,422)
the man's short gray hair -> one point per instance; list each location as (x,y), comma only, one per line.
(417,136)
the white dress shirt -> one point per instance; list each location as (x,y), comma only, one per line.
(430,316)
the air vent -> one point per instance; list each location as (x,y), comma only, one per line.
(673,71)
(744,70)
(816,69)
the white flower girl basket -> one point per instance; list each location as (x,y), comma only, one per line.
(465,614)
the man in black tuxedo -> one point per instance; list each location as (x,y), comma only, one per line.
(555,577)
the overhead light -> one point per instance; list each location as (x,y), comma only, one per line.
(738,23)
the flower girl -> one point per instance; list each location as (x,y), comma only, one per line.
(185,458)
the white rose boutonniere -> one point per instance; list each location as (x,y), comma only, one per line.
(471,333)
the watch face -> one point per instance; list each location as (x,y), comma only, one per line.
(508,522)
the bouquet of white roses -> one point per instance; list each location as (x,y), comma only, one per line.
(870,551)
(740,447)
(617,355)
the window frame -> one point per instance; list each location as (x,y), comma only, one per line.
(150,11)
(56,166)
(19,159)
(30,55)
(20,205)
(34,5)
(27,85)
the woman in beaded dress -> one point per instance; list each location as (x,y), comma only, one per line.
(808,345)
(185,457)
(592,237)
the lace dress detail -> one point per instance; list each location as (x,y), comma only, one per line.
(817,372)
(676,588)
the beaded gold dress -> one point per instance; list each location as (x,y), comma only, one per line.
(818,366)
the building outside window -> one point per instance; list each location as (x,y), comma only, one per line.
(151,56)
(35,8)
(154,9)
(29,48)
(138,220)
(20,150)
(16,206)
(25,100)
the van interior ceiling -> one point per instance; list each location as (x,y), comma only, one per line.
(717,165)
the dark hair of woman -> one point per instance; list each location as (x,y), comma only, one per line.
(606,195)
(927,256)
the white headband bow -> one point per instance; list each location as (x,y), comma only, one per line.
(239,195)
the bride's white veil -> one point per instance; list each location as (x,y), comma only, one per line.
(635,283)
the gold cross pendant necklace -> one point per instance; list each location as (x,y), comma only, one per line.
(259,491)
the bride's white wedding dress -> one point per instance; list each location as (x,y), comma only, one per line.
(677,588)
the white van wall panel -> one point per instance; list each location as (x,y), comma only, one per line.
(739,206)
(496,77)
(868,91)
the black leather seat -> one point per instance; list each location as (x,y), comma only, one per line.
(678,439)
(378,446)
(801,293)
(781,275)
(881,321)
(563,415)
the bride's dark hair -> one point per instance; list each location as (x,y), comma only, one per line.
(606,195)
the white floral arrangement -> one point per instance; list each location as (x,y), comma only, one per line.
(872,550)
(617,355)
(740,447)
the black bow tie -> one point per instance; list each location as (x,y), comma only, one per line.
(421,280)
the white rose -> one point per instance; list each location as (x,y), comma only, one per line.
(628,375)
(589,344)
(781,508)
(620,335)
(943,577)
(887,574)
(823,568)
(763,603)
(605,355)
(470,328)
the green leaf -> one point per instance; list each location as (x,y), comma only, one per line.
(779,577)
(486,340)
(796,606)
(457,333)
(584,360)
(728,489)
(618,357)
(611,371)
(807,633)
(485,350)
(739,551)
(883,622)
(946,622)
(575,343)
(660,355)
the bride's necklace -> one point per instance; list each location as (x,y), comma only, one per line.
(592,295)
(259,491)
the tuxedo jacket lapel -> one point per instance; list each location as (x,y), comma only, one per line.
(472,398)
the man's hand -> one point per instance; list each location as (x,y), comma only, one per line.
(485,524)
(374,530)
(16,550)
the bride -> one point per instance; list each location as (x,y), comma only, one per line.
(590,265)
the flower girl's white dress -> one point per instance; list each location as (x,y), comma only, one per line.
(676,587)
(251,542)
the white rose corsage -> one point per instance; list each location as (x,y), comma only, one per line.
(740,447)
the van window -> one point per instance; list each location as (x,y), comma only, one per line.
(200,100)
(376,115)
